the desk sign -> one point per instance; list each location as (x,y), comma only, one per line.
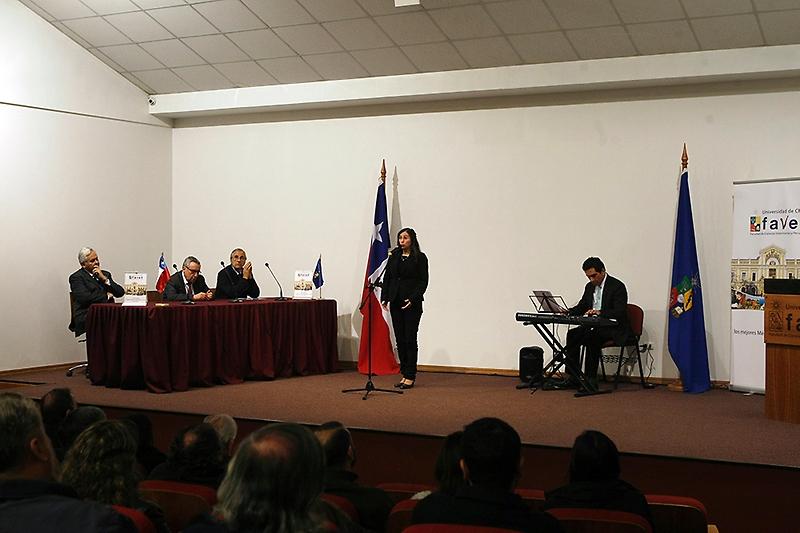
(782,319)
(135,289)
(303,284)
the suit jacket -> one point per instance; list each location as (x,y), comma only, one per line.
(175,291)
(405,279)
(231,284)
(614,305)
(87,290)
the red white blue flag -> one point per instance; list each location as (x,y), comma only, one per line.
(163,274)
(377,321)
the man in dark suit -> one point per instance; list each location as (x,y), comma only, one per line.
(188,284)
(604,297)
(90,285)
(236,280)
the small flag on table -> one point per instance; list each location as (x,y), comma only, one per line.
(163,274)
(317,278)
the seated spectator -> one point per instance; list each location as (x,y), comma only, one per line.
(30,498)
(101,466)
(448,467)
(147,455)
(594,479)
(55,406)
(491,459)
(373,504)
(195,456)
(226,428)
(77,420)
(273,485)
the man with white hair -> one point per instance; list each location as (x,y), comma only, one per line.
(226,428)
(90,285)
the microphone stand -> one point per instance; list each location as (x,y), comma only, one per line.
(279,298)
(369,386)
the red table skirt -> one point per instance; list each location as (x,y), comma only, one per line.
(177,346)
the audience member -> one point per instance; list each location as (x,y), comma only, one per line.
(594,479)
(373,504)
(448,467)
(77,420)
(101,466)
(195,456)
(226,429)
(55,406)
(491,459)
(30,498)
(273,484)
(147,454)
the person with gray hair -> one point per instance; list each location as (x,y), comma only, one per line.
(30,497)
(188,285)
(236,280)
(90,285)
(226,428)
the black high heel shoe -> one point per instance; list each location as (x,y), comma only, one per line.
(406,386)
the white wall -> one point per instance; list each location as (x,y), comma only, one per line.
(504,201)
(82,164)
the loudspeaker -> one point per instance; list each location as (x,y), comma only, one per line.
(531,364)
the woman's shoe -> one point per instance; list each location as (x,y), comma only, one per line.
(399,385)
(406,386)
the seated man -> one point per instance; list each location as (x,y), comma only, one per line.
(491,460)
(188,284)
(226,429)
(604,297)
(373,504)
(236,280)
(30,498)
(90,285)
(195,456)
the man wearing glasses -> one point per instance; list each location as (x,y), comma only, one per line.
(188,284)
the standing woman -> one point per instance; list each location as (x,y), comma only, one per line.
(403,288)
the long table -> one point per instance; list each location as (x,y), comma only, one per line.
(166,348)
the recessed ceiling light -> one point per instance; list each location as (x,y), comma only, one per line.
(403,3)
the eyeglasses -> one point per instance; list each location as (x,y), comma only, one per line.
(193,271)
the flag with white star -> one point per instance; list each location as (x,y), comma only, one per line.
(377,321)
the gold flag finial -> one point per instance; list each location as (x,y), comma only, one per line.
(383,171)
(684,158)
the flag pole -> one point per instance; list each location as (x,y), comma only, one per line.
(320,287)
(677,386)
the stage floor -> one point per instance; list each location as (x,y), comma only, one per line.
(718,425)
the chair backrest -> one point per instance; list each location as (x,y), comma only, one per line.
(343,504)
(403,491)
(154,297)
(533,497)
(400,516)
(456,528)
(635,319)
(182,503)
(140,520)
(677,513)
(600,521)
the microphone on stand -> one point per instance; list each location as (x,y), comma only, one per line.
(228,274)
(175,267)
(280,298)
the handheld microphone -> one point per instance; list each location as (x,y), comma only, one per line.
(280,298)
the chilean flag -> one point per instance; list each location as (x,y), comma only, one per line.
(383,358)
(163,274)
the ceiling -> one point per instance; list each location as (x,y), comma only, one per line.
(174,46)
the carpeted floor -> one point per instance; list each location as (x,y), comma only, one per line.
(717,425)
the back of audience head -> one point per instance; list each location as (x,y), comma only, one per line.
(274,481)
(491,451)
(25,449)
(101,465)
(448,465)
(76,422)
(226,428)
(56,405)
(144,429)
(594,458)
(196,445)
(337,444)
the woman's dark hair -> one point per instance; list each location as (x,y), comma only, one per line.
(415,250)
(594,458)
(448,465)
(101,465)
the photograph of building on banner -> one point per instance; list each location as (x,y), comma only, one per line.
(766,245)
(135,289)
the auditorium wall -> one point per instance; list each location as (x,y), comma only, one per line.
(83,163)
(505,199)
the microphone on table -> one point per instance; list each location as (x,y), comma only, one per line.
(276,281)
(175,267)
(228,274)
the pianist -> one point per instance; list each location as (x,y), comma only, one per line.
(605,297)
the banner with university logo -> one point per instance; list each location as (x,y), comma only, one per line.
(135,289)
(766,244)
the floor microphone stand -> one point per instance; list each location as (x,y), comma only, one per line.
(369,386)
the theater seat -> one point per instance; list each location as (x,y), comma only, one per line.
(182,503)
(400,516)
(455,528)
(140,520)
(600,521)
(345,505)
(678,513)
(404,491)
(533,497)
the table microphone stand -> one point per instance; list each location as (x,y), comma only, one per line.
(369,386)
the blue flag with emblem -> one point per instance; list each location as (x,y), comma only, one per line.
(317,278)
(687,331)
